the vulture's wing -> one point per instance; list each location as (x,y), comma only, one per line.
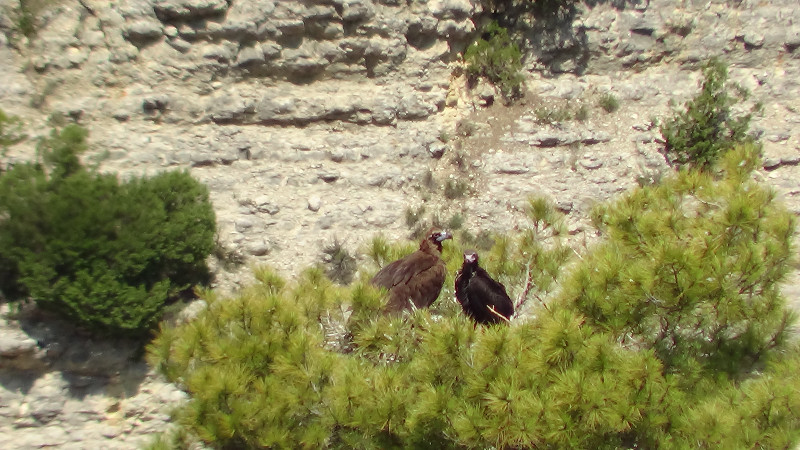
(460,286)
(417,278)
(484,290)
(401,271)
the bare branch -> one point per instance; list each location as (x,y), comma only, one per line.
(523,296)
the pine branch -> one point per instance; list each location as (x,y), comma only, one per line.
(523,296)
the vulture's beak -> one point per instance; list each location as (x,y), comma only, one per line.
(444,235)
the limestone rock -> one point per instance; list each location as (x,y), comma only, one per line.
(451,9)
(250,56)
(357,10)
(19,351)
(189,9)
(314,203)
(244,224)
(258,248)
(143,31)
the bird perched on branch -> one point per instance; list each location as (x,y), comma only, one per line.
(482,298)
(415,280)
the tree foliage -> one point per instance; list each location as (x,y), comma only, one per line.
(708,125)
(691,269)
(670,334)
(105,254)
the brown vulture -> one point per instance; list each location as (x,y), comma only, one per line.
(415,280)
(482,298)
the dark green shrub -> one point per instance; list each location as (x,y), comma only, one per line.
(105,254)
(498,59)
(697,136)
(580,372)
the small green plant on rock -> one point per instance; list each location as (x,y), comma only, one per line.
(10,131)
(497,58)
(608,102)
(10,134)
(340,264)
(414,215)
(454,189)
(707,127)
(582,113)
(551,115)
(25,20)
(456,222)
(466,128)
(26,16)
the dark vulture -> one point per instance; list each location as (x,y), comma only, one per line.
(481,297)
(415,279)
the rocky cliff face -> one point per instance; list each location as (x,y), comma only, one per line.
(322,110)
(319,120)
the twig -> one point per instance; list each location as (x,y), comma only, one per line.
(523,297)
(492,310)
(544,305)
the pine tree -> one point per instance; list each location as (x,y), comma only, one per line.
(691,269)
(708,126)
(669,334)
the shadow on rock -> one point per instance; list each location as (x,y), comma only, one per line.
(36,343)
(551,39)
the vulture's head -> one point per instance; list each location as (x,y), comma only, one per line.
(470,257)
(435,237)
